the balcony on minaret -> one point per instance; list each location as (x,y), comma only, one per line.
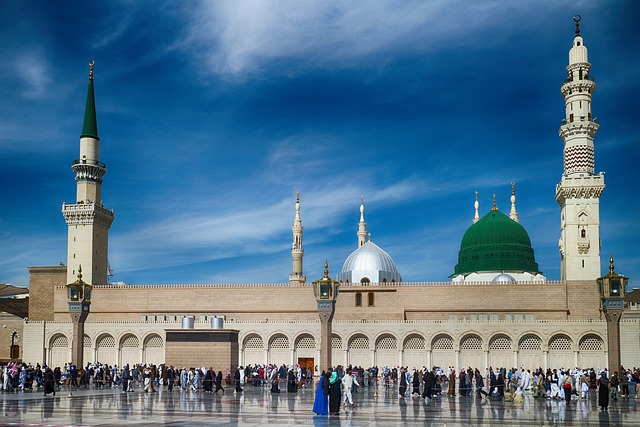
(87,213)
(89,170)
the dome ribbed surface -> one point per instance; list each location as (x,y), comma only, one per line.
(370,261)
(496,243)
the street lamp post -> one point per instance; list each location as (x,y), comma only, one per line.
(326,292)
(79,300)
(612,289)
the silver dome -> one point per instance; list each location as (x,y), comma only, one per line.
(504,278)
(369,262)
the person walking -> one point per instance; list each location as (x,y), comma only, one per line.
(603,392)
(402,389)
(347,384)
(218,382)
(321,400)
(335,394)
(49,381)
(567,386)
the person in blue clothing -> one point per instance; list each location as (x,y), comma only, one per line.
(321,401)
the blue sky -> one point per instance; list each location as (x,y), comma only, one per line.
(213,114)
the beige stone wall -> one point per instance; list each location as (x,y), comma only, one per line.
(42,290)
(218,355)
(425,301)
(10,326)
(377,335)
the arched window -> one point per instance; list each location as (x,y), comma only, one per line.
(371,299)
(358,299)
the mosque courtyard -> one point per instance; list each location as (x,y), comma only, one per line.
(256,406)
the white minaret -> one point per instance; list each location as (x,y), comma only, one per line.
(88,221)
(296,277)
(513,214)
(579,190)
(476,206)
(362,226)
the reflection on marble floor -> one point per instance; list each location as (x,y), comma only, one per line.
(256,406)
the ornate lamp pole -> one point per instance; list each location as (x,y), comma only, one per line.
(326,292)
(612,289)
(79,297)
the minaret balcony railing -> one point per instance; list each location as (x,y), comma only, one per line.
(93,171)
(570,79)
(581,119)
(89,162)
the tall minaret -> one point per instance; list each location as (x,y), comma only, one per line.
(362,226)
(88,221)
(513,213)
(579,190)
(296,277)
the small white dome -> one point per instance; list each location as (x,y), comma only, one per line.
(504,278)
(369,263)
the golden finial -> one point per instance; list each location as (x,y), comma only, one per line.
(577,19)
(91,64)
(611,266)
(326,268)
(79,272)
(513,188)
(476,195)
(297,196)
(494,208)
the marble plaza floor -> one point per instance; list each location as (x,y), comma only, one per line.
(375,406)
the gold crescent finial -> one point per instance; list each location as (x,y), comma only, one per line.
(513,188)
(91,64)
(577,19)
(495,208)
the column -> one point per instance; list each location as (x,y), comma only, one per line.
(545,354)
(429,359)
(486,359)
(575,358)
(345,362)
(458,359)
(293,357)
(373,357)
(400,357)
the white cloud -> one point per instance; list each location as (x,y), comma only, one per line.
(238,37)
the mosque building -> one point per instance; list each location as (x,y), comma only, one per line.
(379,319)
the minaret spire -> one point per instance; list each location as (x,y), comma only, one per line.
(495,207)
(90,124)
(362,226)
(297,253)
(579,190)
(88,221)
(513,214)
(476,205)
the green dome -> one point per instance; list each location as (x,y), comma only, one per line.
(495,243)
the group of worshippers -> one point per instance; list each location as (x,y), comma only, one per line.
(335,387)
(195,379)
(20,377)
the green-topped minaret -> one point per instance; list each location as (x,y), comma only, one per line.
(90,124)
(88,221)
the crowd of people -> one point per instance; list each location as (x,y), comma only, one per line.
(335,387)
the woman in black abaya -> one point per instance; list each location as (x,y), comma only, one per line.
(335,394)
(603,392)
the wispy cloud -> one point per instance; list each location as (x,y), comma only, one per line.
(238,37)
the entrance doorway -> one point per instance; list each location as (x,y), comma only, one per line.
(306,363)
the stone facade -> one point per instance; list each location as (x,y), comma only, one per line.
(415,324)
